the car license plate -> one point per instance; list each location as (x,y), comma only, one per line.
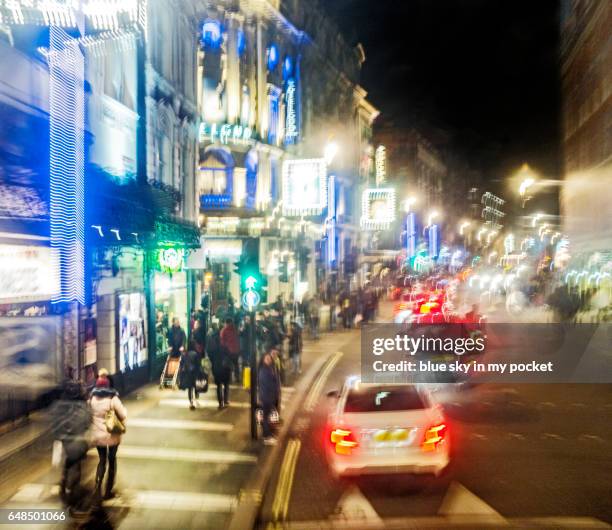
(388,438)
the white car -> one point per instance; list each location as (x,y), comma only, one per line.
(380,429)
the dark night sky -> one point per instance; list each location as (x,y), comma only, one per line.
(484,70)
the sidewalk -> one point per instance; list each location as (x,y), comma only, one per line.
(177,468)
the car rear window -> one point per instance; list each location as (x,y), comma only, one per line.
(383,399)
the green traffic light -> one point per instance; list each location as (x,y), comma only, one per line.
(250,282)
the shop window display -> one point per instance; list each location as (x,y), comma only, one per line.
(132,337)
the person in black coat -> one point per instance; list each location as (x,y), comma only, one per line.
(191,371)
(221,365)
(177,340)
(269,395)
(72,419)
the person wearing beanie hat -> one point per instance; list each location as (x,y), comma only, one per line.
(104,398)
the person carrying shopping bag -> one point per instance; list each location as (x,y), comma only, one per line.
(269,395)
(108,424)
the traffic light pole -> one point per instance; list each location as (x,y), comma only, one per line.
(253,359)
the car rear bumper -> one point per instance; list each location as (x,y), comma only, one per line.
(421,466)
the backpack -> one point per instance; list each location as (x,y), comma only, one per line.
(72,419)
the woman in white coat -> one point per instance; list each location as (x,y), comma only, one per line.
(103,398)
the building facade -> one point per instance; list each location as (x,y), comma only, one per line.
(179,131)
(276,87)
(586,63)
(99,90)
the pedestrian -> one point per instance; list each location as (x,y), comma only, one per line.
(315,315)
(279,305)
(221,365)
(72,419)
(200,332)
(191,371)
(346,312)
(230,342)
(245,340)
(177,339)
(278,374)
(103,400)
(295,347)
(269,395)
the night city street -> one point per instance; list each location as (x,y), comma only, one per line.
(305,264)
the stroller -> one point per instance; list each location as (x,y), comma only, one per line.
(170,373)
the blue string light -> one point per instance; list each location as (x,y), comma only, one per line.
(67,160)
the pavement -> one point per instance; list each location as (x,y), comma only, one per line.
(177,468)
(523,456)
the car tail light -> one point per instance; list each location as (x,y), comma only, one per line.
(343,440)
(434,436)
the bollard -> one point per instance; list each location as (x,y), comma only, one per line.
(246,377)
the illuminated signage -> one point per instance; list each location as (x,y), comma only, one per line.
(26,274)
(304,186)
(171,259)
(378,206)
(291,127)
(331,220)
(225,133)
(434,241)
(380,157)
(411,234)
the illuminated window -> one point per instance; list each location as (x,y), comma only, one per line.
(245,106)
(211,34)
(273,114)
(241,42)
(287,67)
(215,180)
(272,57)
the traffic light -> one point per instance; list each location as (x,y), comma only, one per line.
(263,289)
(303,256)
(283,272)
(247,267)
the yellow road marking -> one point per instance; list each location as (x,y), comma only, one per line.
(313,395)
(280,505)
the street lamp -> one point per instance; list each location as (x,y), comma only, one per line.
(536,218)
(525,185)
(463,226)
(431,217)
(490,235)
(407,203)
(330,152)
(491,256)
(528,180)
(481,232)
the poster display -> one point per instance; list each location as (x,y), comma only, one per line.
(132,336)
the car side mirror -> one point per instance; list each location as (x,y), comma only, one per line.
(333,394)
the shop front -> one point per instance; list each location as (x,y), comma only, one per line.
(171,301)
(171,286)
